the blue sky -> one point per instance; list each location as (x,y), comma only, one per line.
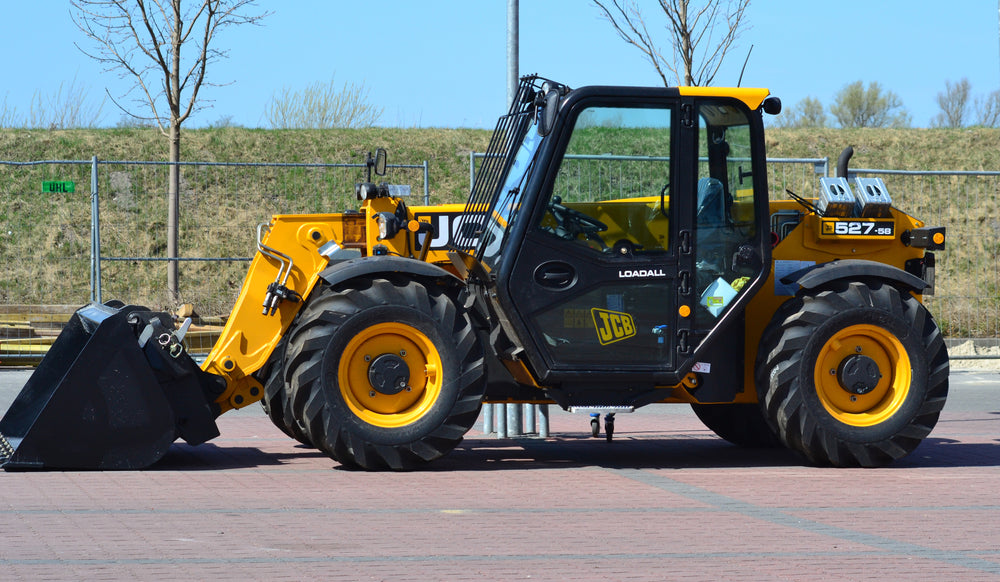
(442,63)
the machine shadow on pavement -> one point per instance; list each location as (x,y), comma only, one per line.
(487,454)
(572,451)
(212,457)
(946,452)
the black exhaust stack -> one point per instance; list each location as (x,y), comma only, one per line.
(113,392)
(845,157)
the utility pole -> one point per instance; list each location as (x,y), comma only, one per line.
(512,50)
(513,424)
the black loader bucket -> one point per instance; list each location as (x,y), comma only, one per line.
(113,392)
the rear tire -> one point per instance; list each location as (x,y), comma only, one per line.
(854,375)
(384,375)
(741,424)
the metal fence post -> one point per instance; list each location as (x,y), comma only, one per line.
(95,236)
(543,421)
(501,423)
(472,169)
(488,418)
(427,188)
(514,418)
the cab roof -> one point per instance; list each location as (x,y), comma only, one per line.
(751,97)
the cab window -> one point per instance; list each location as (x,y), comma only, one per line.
(612,191)
(725,216)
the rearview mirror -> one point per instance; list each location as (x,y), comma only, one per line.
(772,105)
(549,109)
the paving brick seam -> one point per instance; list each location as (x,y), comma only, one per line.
(778,517)
(496,511)
(437,558)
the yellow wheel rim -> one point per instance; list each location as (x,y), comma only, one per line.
(888,395)
(420,356)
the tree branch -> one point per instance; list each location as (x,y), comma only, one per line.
(691,34)
(142,39)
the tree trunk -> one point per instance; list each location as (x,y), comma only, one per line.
(173,213)
(687,51)
(173,189)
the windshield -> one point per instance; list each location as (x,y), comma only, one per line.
(504,212)
(499,184)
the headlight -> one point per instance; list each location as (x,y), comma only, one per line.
(364,190)
(388,225)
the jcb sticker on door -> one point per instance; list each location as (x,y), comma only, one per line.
(612,326)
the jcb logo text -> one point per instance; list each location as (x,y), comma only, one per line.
(612,326)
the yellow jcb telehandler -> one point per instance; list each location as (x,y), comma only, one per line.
(618,249)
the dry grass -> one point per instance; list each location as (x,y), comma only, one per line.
(893,149)
(45,240)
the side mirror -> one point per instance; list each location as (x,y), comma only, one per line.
(772,105)
(380,161)
(549,109)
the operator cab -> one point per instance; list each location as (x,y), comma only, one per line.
(625,241)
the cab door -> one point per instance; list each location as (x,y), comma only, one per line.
(598,279)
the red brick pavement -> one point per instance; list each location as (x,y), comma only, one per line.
(665,501)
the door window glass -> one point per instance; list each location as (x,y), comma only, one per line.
(613,187)
(725,215)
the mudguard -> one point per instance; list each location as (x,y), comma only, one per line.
(853,269)
(365,266)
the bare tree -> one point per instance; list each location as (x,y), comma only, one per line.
(699,36)
(988,109)
(68,108)
(856,106)
(807,113)
(8,114)
(143,40)
(954,104)
(322,106)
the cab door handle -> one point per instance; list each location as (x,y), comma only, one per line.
(555,275)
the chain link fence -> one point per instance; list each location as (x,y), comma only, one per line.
(966,303)
(47,240)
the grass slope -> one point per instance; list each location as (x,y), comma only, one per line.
(45,240)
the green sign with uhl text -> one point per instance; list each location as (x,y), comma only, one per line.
(58,186)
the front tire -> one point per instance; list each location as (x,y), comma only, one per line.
(275,401)
(853,375)
(384,375)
